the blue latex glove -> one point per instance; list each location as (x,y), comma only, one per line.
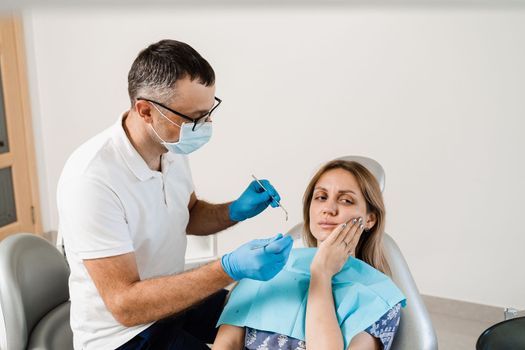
(260,263)
(253,201)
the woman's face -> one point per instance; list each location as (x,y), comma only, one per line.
(336,199)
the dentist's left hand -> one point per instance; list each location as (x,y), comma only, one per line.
(253,201)
(259,263)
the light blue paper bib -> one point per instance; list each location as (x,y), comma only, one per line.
(362,295)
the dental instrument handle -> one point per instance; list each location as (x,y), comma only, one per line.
(267,243)
(278,203)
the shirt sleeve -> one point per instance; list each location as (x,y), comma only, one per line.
(92,219)
(386,327)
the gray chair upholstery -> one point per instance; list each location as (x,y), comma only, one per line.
(415,329)
(34,295)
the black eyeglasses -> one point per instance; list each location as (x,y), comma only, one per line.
(197,122)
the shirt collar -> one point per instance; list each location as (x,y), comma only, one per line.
(133,159)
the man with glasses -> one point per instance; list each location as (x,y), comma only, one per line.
(126,202)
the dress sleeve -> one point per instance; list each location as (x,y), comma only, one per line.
(262,340)
(386,327)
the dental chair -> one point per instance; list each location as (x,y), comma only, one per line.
(34,295)
(415,329)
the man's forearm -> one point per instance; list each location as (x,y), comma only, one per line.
(153,299)
(207,218)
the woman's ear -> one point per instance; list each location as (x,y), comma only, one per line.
(371,220)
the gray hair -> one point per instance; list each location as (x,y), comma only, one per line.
(157,68)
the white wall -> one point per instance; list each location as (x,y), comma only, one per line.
(436,95)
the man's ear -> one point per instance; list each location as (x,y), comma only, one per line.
(371,220)
(144,110)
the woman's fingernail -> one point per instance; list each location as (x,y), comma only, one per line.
(360,219)
(344,225)
(354,221)
(361,226)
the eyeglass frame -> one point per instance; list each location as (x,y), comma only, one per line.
(194,120)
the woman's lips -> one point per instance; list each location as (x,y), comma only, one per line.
(327,226)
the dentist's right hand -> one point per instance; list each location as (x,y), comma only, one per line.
(263,263)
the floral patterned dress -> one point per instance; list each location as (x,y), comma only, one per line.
(383,329)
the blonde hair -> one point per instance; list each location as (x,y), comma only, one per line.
(370,246)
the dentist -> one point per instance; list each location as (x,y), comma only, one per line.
(126,202)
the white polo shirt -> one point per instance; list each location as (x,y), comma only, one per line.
(111,203)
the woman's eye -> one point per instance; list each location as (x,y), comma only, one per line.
(347,201)
(319,197)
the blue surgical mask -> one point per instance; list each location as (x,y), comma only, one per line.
(189,140)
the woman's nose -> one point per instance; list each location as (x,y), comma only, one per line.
(329,209)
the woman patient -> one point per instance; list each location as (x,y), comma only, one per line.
(344,217)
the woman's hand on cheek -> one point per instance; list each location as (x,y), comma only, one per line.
(334,251)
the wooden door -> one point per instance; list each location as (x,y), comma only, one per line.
(19,211)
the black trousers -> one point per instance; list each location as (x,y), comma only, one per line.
(189,330)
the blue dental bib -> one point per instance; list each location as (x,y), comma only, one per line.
(361,293)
